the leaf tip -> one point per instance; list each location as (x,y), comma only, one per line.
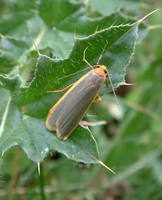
(104,165)
(38,167)
(146,16)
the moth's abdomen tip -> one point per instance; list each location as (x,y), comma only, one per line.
(62,137)
(49,127)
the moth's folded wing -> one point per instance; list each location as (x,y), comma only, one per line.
(74,109)
(53,116)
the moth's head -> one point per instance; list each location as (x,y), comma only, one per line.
(101,70)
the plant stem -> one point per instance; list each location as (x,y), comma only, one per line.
(15,170)
(41,183)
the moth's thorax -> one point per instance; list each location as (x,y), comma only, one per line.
(101,70)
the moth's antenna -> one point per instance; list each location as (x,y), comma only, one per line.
(72,74)
(116,99)
(84,58)
(100,57)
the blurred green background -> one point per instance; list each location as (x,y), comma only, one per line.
(130,143)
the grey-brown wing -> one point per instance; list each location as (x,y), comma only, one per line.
(56,111)
(76,106)
(53,115)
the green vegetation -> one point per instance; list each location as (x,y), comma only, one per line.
(41,49)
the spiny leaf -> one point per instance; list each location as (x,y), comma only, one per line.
(32,136)
(52,33)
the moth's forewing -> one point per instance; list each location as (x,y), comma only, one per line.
(56,111)
(75,104)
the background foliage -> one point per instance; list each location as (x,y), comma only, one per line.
(41,49)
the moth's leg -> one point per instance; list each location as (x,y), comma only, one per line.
(98,123)
(63,90)
(98,99)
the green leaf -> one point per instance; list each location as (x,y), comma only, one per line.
(75,19)
(4,98)
(120,55)
(11,54)
(39,54)
(53,12)
(57,40)
(13,16)
(9,83)
(36,141)
(106,7)
(52,70)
